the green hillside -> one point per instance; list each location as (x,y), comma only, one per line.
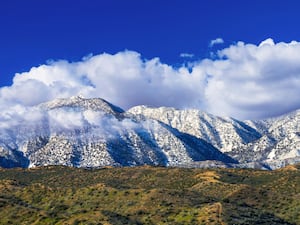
(149,195)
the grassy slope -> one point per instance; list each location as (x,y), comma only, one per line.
(149,195)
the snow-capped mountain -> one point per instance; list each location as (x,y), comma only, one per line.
(224,133)
(93,133)
(279,144)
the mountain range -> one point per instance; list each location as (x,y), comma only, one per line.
(91,133)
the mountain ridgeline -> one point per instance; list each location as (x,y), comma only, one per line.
(90,133)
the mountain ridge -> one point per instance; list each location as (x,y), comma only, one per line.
(93,132)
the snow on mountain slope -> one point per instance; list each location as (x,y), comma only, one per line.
(224,133)
(284,125)
(280,141)
(285,148)
(95,104)
(93,133)
(248,141)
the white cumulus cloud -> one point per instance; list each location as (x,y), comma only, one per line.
(254,81)
(246,81)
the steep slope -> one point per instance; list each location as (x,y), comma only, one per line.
(270,143)
(95,104)
(83,132)
(224,133)
(279,145)
(92,132)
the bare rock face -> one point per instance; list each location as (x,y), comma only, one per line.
(83,132)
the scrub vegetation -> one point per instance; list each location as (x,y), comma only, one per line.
(149,195)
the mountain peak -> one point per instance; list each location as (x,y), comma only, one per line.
(92,132)
(96,104)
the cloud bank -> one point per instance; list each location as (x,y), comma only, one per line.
(245,81)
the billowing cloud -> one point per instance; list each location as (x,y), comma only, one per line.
(250,81)
(216,41)
(245,81)
(124,79)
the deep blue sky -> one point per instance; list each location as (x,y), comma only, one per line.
(34,31)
